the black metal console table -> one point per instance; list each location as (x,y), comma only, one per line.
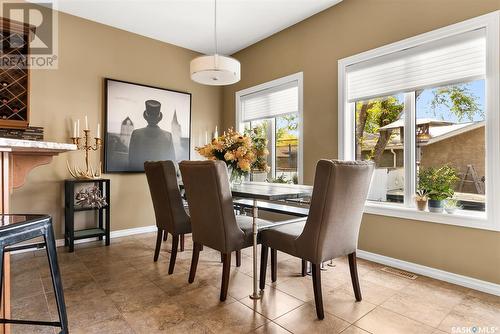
(102,228)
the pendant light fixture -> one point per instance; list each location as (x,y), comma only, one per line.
(215,70)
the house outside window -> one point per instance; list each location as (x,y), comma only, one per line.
(425,104)
(275,108)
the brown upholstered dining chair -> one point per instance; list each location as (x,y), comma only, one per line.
(171,217)
(332,227)
(213,220)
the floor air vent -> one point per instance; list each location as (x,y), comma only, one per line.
(399,272)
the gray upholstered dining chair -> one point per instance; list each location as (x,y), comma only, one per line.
(332,227)
(213,220)
(171,217)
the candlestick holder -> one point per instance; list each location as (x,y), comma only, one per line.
(89,173)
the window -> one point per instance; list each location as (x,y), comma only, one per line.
(379,138)
(450,130)
(275,108)
(426,105)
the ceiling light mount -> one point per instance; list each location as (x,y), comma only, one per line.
(215,70)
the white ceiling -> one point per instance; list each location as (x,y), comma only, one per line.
(189,23)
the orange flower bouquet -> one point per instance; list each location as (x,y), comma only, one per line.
(236,150)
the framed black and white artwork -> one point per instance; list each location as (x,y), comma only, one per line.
(144,123)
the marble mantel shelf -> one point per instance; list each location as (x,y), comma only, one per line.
(28,154)
(8,144)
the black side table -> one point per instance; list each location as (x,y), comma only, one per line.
(102,228)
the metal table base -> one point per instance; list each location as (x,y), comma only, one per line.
(256,294)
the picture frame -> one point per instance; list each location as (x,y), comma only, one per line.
(144,123)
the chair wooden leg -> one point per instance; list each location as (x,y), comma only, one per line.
(304,268)
(194,261)
(354,276)
(263,266)
(158,244)
(182,243)
(226,266)
(318,297)
(238,258)
(165,236)
(221,258)
(274,264)
(173,255)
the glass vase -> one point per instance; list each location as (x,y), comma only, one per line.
(235,176)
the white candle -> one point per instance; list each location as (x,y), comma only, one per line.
(86,123)
(98,135)
(77,128)
(216,133)
(74,129)
(206,137)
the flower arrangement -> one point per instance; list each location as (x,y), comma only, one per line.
(241,153)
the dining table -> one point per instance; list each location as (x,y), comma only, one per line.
(268,192)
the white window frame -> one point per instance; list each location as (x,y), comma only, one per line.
(488,220)
(299,77)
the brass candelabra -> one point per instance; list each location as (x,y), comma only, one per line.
(89,172)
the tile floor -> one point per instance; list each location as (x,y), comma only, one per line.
(119,289)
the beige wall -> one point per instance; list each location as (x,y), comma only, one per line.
(89,52)
(314,46)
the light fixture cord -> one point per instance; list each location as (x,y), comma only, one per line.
(215,25)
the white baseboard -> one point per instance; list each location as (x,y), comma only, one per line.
(115,234)
(438,274)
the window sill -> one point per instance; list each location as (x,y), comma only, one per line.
(464,218)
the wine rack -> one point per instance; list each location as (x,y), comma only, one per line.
(14,76)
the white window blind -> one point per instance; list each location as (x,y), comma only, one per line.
(272,102)
(446,61)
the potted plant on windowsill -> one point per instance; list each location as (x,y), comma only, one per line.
(438,184)
(421,199)
(451,205)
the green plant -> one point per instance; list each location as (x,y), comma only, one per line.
(437,182)
(451,203)
(281,179)
(259,140)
